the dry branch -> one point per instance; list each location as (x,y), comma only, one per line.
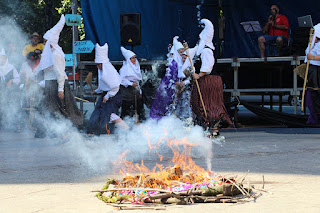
(133,189)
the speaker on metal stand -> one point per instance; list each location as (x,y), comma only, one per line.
(130,29)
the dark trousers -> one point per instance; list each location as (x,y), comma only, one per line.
(128,108)
(99,122)
(314,84)
(131,102)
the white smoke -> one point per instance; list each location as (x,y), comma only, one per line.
(100,153)
(201,2)
(12,41)
(151,74)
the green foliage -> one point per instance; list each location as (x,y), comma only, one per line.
(39,16)
(114,197)
(26,13)
(65,7)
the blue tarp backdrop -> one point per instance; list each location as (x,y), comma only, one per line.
(161,20)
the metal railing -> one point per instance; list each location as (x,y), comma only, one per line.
(236,63)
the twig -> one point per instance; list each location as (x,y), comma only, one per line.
(263,181)
(81,99)
(262,190)
(256,197)
(191,192)
(244,177)
(140,207)
(160,196)
(136,109)
(191,200)
(165,195)
(241,190)
(133,189)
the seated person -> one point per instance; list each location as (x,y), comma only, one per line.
(277,28)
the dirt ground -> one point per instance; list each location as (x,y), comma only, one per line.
(37,177)
(294,193)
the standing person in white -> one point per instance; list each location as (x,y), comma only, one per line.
(58,97)
(210,85)
(130,89)
(313,85)
(9,99)
(183,87)
(106,112)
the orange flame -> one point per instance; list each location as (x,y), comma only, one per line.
(181,149)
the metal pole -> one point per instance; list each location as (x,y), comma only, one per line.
(73,54)
(81,88)
(235,64)
(295,91)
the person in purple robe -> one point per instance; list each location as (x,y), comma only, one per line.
(165,95)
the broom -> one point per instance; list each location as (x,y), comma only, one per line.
(89,82)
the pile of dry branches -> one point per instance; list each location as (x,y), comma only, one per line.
(148,192)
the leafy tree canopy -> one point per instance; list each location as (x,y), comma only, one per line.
(39,16)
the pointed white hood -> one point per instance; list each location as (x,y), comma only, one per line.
(127,54)
(206,36)
(52,37)
(109,77)
(53,34)
(101,55)
(6,67)
(128,69)
(176,56)
(316,34)
(3,52)
(192,52)
(176,46)
(171,51)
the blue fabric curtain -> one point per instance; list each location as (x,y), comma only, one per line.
(162,20)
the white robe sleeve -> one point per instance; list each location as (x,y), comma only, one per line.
(315,51)
(306,52)
(124,81)
(98,90)
(112,93)
(59,70)
(186,82)
(23,68)
(207,60)
(113,117)
(16,77)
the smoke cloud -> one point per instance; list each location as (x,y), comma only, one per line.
(100,154)
(12,42)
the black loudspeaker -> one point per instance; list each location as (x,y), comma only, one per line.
(300,40)
(130,29)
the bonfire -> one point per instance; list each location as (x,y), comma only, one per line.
(182,182)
